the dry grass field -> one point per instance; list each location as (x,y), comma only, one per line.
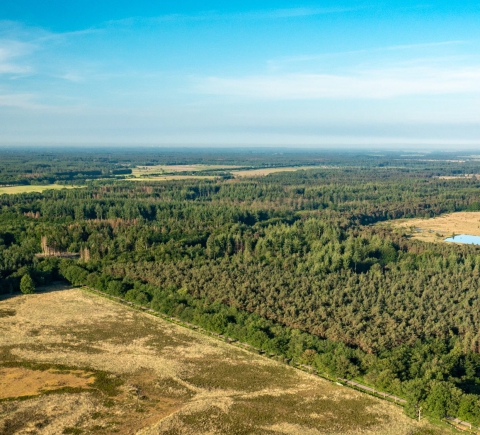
(171,177)
(266,171)
(163,172)
(72,362)
(459,177)
(145,170)
(438,228)
(26,189)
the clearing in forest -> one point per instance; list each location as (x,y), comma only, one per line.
(169,169)
(11,190)
(266,171)
(91,365)
(438,228)
(171,177)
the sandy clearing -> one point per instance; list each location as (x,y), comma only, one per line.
(438,228)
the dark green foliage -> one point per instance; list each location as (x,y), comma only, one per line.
(27,286)
(286,263)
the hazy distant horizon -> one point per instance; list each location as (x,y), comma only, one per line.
(380,150)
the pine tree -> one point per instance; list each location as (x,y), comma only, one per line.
(27,285)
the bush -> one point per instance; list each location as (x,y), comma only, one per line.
(27,286)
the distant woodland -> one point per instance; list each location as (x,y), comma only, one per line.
(290,263)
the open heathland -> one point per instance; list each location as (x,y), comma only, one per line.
(438,228)
(73,362)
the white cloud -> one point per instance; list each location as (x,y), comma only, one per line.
(10,54)
(72,77)
(372,84)
(270,14)
(21,101)
(321,56)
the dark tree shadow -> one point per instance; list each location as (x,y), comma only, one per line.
(57,286)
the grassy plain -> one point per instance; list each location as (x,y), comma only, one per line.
(79,363)
(30,188)
(438,228)
(167,172)
(266,171)
(171,177)
(145,170)
(459,177)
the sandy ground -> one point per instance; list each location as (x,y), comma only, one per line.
(438,228)
(168,379)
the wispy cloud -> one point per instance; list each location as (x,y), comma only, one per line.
(72,77)
(401,47)
(270,14)
(10,54)
(21,101)
(374,84)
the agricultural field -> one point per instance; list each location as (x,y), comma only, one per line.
(438,228)
(11,190)
(99,367)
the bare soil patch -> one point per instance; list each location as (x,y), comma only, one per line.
(152,377)
(438,228)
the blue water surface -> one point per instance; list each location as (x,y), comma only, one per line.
(464,238)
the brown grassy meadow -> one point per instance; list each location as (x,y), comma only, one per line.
(438,228)
(72,362)
(31,188)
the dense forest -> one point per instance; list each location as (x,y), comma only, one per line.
(292,263)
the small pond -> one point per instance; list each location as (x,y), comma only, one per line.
(464,238)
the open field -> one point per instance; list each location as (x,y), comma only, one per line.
(438,228)
(29,188)
(145,170)
(459,177)
(267,171)
(158,171)
(171,177)
(95,366)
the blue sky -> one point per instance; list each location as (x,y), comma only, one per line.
(379,74)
